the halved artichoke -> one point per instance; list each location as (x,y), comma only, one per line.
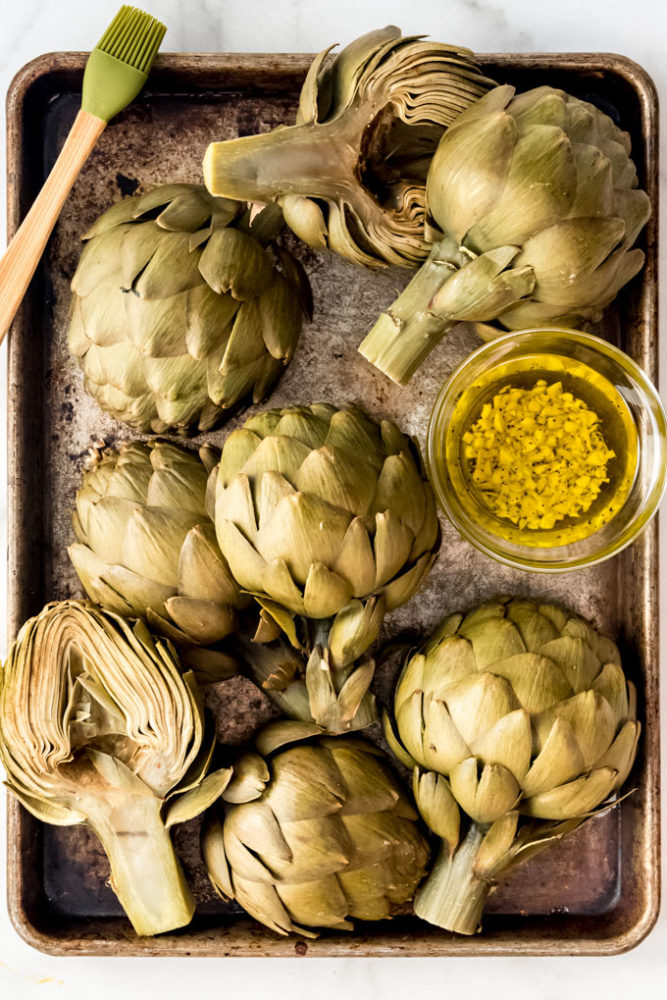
(350,174)
(99,726)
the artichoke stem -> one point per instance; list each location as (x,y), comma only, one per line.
(408,331)
(452,896)
(305,159)
(146,874)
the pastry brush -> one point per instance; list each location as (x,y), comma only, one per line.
(115,73)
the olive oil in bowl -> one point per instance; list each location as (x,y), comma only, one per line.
(565,446)
(547,449)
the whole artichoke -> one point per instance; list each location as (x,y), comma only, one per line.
(520,714)
(314,834)
(147,547)
(534,205)
(98,726)
(349,175)
(179,312)
(325,515)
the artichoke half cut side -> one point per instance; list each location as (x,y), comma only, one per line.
(350,174)
(313,833)
(327,518)
(98,726)
(519,724)
(533,207)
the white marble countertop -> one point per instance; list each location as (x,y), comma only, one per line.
(31,27)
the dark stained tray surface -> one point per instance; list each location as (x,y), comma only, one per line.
(595,893)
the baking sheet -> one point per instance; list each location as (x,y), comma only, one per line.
(597,892)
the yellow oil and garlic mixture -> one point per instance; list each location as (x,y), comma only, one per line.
(537,455)
(542,450)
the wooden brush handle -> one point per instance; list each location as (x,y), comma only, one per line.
(27,246)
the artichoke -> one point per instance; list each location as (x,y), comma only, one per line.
(519,714)
(326,517)
(534,207)
(147,547)
(350,174)
(98,726)
(314,834)
(178,310)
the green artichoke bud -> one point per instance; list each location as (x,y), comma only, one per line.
(534,204)
(147,547)
(98,726)
(327,518)
(179,312)
(520,714)
(350,174)
(314,835)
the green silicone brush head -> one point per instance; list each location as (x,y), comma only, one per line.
(119,65)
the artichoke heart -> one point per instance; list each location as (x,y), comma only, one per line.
(180,312)
(314,835)
(146,547)
(327,518)
(534,207)
(350,173)
(98,726)
(519,723)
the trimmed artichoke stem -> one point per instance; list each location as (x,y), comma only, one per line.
(305,159)
(407,332)
(452,896)
(146,875)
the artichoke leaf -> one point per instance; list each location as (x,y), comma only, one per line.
(45,811)
(306,220)
(575,798)
(495,849)
(233,262)
(437,806)
(394,742)
(279,734)
(213,853)
(169,270)
(354,629)
(193,802)
(279,313)
(208,319)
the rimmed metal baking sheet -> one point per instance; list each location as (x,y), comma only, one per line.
(598,891)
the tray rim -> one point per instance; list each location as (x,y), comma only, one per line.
(645,550)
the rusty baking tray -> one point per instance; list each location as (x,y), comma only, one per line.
(595,893)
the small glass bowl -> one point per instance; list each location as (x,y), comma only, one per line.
(630,410)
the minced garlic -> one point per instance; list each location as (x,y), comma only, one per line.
(537,455)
